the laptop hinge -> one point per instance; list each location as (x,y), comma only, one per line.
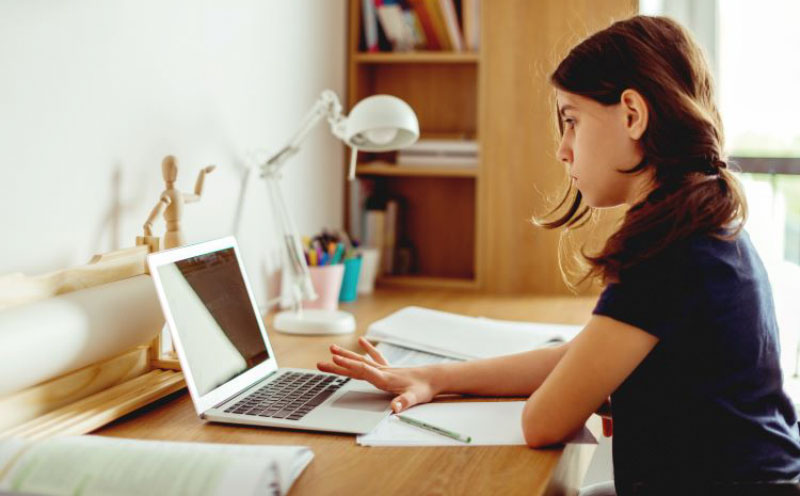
(241,391)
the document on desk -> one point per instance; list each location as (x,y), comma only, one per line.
(463,337)
(104,465)
(488,423)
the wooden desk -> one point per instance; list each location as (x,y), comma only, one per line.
(342,467)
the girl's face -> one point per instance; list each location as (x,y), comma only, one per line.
(598,141)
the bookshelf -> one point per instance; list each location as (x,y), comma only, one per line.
(470,225)
(440,208)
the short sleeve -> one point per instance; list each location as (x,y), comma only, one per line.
(654,297)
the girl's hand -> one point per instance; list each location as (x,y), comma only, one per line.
(411,385)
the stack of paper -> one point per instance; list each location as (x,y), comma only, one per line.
(463,337)
(491,423)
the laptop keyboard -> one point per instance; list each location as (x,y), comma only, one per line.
(290,396)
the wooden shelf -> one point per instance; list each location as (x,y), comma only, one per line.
(423,57)
(387,169)
(427,282)
(437,204)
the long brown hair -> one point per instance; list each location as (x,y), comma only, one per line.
(694,191)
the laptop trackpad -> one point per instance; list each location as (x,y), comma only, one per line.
(357,400)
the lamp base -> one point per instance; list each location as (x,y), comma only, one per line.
(315,322)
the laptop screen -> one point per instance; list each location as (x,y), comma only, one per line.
(214,318)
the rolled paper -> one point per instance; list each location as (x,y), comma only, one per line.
(49,338)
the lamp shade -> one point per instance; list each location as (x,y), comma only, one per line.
(381,123)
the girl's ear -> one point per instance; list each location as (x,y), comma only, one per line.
(635,112)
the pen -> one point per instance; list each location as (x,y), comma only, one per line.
(433,428)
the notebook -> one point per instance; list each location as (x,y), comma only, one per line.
(462,337)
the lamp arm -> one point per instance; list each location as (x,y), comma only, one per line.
(326,106)
(302,287)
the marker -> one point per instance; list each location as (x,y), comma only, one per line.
(433,428)
(337,256)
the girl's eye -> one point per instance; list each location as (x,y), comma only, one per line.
(569,122)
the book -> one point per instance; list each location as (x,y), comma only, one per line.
(391,17)
(470,22)
(415,27)
(111,466)
(436,160)
(451,23)
(374,230)
(463,337)
(440,152)
(426,22)
(370,23)
(390,226)
(443,145)
(437,18)
(358,190)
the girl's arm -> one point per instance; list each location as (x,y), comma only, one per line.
(598,360)
(510,375)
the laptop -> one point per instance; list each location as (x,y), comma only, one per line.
(230,369)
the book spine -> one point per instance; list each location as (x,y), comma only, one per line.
(355,209)
(451,23)
(391,17)
(370,24)
(426,22)
(437,160)
(435,11)
(374,228)
(420,40)
(470,14)
(390,235)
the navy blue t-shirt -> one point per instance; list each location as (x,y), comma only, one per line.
(707,403)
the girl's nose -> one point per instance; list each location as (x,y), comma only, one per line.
(564,153)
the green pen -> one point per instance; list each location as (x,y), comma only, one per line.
(433,428)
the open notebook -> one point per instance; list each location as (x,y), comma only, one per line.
(110,466)
(460,337)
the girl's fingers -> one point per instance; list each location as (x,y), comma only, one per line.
(350,354)
(404,401)
(333,369)
(372,351)
(361,370)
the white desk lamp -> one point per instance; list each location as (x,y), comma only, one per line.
(376,124)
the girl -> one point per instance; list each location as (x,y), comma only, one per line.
(683,337)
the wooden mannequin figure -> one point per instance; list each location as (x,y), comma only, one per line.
(172,202)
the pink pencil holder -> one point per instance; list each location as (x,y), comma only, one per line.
(327,280)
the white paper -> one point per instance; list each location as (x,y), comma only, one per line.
(464,337)
(51,337)
(488,423)
(93,465)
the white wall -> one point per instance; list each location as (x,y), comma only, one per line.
(94,93)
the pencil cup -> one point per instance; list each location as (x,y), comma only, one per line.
(327,280)
(352,269)
(370,261)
